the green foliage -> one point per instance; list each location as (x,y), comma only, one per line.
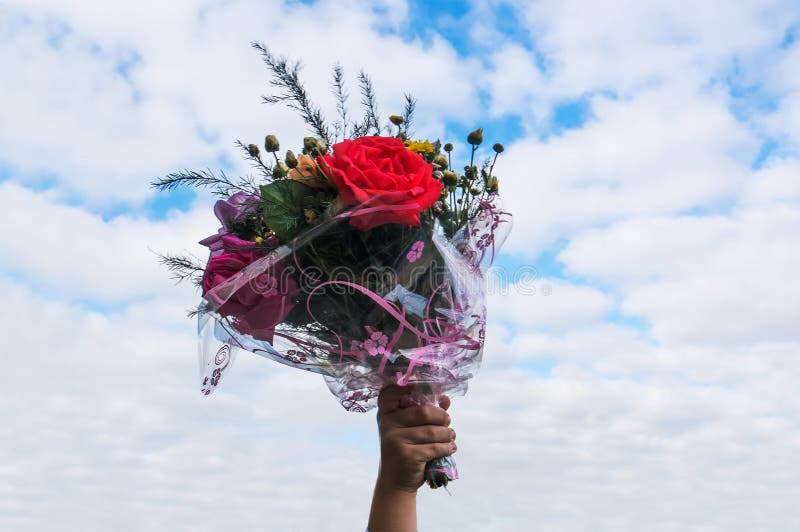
(371,123)
(282,204)
(285,76)
(340,93)
(220,185)
(183,267)
(408,113)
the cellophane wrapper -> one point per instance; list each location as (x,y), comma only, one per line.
(393,305)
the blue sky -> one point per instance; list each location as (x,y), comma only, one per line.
(645,373)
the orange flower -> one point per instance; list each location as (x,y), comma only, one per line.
(307,172)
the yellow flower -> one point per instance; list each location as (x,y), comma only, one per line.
(420,146)
(259,240)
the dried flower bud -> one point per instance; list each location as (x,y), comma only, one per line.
(396,120)
(310,215)
(492,184)
(440,161)
(271,143)
(448,147)
(476,137)
(322,147)
(439,207)
(449,178)
(252,149)
(474,191)
(290,159)
(470,172)
(335,207)
(498,148)
(309,143)
(279,170)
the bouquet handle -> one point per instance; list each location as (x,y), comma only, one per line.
(440,471)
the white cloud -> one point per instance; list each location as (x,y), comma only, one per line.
(714,279)
(70,113)
(775,184)
(109,432)
(664,151)
(546,304)
(513,80)
(66,251)
(631,45)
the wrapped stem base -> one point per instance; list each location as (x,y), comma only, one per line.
(440,471)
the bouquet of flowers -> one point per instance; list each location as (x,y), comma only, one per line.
(358,258)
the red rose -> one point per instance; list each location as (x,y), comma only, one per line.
(260,303)
(394,184)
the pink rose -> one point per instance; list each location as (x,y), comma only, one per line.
(259,304)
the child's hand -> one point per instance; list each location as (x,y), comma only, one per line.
(411,435)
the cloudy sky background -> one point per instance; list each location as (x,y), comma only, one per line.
(644,379)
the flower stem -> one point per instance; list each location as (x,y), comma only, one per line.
(491,168)
(472,156)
